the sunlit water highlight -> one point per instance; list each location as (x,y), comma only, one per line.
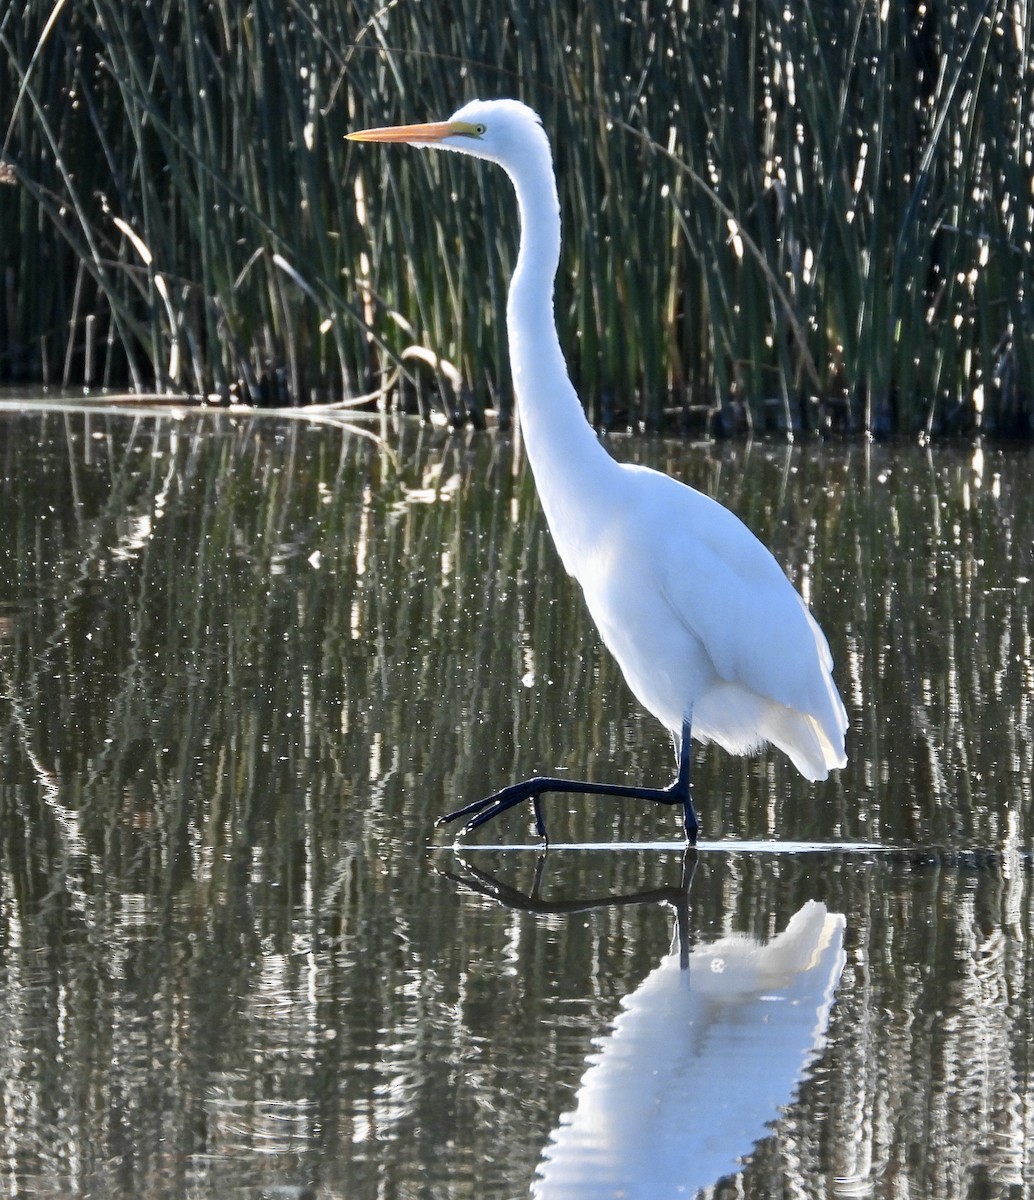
(702,847)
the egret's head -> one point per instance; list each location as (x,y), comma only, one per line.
(500,130)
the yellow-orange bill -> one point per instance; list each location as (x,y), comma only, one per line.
(434,131)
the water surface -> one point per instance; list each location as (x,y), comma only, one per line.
(244,663)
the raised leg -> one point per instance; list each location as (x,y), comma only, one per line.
(678,792)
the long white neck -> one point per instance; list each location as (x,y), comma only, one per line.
(573,473)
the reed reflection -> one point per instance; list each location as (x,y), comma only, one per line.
(243,665)
(704,1053)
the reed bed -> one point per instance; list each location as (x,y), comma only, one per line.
(792,217)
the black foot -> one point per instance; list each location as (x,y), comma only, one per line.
(483,810)
(679,792)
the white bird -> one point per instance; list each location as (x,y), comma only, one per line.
(708,631)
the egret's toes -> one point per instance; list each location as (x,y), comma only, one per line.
(467,810)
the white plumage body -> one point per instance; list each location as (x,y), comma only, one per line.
(698,614)
(703,622)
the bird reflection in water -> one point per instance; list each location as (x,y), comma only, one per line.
(701,1057)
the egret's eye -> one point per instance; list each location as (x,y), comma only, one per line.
(480,130)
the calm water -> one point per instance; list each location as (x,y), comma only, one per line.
(245,662)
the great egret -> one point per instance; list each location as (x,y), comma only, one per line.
(709,633)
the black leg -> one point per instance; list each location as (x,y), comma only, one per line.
(678,792)
(683,784)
